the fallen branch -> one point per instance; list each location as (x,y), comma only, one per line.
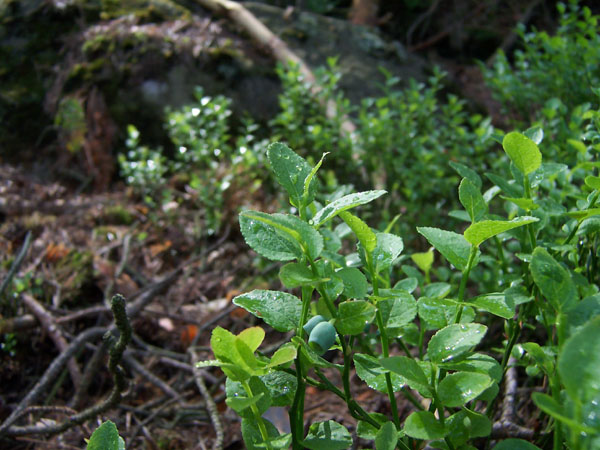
(211,407)
(116,355)
(15,324)
(506,426)
(49,325)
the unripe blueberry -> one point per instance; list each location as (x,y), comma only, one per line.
(313,322)
(322,337)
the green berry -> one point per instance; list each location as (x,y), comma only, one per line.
(322,337)
(313,322)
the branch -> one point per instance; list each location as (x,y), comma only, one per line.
(265,38)
(116,355)
(49,325)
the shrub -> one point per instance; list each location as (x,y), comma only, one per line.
(529,273)
(548,67)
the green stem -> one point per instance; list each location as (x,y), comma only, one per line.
(388,377)
(385,349)
(500,252)
(259,420)
(576,227)
(555,389)
(463,281)
(296,412)
(529,226)
(355,409)
(404,347)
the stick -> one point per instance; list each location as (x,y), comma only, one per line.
(116,355)
(49,325)
(211,407)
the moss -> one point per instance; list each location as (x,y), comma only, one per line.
(145,10)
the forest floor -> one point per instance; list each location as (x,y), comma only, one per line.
(80,249)
(83,249)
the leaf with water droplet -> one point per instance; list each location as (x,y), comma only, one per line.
(343,204)
(353,315)
(454,340)
(369,369)
(279,309)
(461,387)
(280,237)
(291,171)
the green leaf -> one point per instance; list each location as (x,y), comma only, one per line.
(437,290)
(412,373)
(586,309)
(251,433)
(343,204)
(497,303)
(424,425)
(524,203)
(308,194)
(553,280)
(579,363)
(480,231)
(387,437)
(311,356)
(367,431)
(353,316)
(408,284)
(465,425)
(508,187)
(371,372)
(423,260)
(279,309)
(438,313)
(554,409)
(523,152)
(389,246)
(364,234)
(328,435)
(105,437)
(593,182)
(478,363)
(283,355)
(515,444)
(452,246)
(461,387)
(238,400)
(239,404)
(543,360)
(466,172)
(454,340)
(398,310)
(281,386)
(290,170)
(252,337)
(472,200)
(297,274)
(355,282)
(302,238)
(536,134)
(264,240)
